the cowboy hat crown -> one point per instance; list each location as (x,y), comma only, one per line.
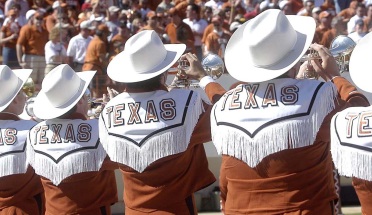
(273,43)
(144,57)
(11,82)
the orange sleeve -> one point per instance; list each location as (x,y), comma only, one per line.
(214,91)
(207,31)
(22,39)
(349,93)
(49,23)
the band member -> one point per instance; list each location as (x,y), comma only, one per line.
(65,151)
(351,131)
(149,130)
(272,129)
(21,190)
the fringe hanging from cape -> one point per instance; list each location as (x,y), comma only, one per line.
(166,143)
(287,134)
(13,164)
(77,162)
(351,162)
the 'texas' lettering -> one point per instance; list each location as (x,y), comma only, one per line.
(362,121)
(8,136)
(289,96)
(115,113)
(80,134)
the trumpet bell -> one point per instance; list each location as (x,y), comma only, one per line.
(29,87)
(341,48)
(213,65)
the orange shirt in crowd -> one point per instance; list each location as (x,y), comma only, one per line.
(209,29)
(92,58)
(212,43)
(7,31)
(171,31)
(32,40)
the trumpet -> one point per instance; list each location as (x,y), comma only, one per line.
(29,87)
(212,64)
(341,48)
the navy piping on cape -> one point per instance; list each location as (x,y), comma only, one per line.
(349,144)
(272,121)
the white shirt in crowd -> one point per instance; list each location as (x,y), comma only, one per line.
(215,5)
(21,20)
(53,49)
(77,48)
(352,23)
(356,36)
(197,26)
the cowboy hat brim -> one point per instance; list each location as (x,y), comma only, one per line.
(122,70)
(44,109)
(23,75)
(236,54)
(360,62)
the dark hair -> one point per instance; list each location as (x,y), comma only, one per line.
(195,8)
(147,85)
(15,5)
(68,113)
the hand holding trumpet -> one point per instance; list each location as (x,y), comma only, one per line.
(326,66)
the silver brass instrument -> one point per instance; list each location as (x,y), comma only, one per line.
(341,48)
(29,87)
(212,64)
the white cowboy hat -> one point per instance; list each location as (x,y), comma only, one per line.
(268,45)
(144,57)
(11,82)
(360,63)
(61,90)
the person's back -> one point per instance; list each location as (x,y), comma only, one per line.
(273,130)
(21,190)
(154,134)
(351,138)
(65,149)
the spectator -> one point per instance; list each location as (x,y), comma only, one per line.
(338,28)
(359,32)
(368,19)
(360,14)
(113,21)
(96,59)
(307,9)
(23,4)
(177,25)
(152,24)
(197,26)
(55,51)
(164,5)
(30,48)
(8,40)
(325,19)
(58,13)
(20,19)
(78,46)
(216,41)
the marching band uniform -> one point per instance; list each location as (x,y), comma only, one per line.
(76,174)
(21,192)
(273,131)
(350,132)
(151,134)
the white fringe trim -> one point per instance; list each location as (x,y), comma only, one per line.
(164,144)
(288,134)
(77,162)
(351,162)
(13,164)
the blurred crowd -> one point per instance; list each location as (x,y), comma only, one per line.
(41,34)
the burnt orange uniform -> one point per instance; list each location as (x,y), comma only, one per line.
(20,194)
(166,186)
(291,181)
(363,189)
(83,192)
